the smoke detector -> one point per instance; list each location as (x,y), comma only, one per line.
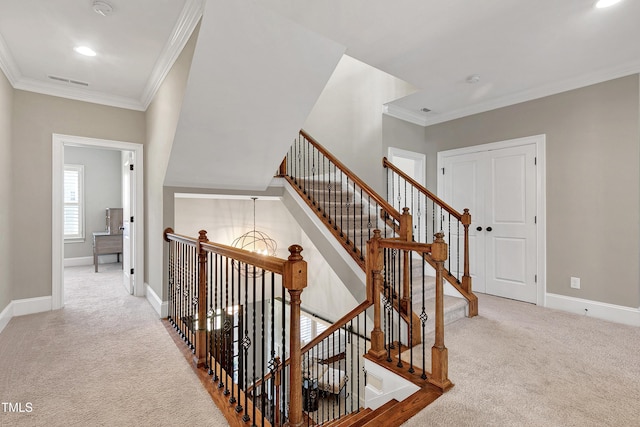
(473,79)
(102,8)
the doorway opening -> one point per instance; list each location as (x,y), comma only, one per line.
(127,158)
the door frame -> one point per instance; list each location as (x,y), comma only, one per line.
(541,196)
(419,158)
(57,239)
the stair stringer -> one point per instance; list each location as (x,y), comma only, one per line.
(347,270)
(383,386)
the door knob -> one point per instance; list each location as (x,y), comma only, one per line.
(479,228)
(489,229)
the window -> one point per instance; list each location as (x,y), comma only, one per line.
(73,202)
(309,329)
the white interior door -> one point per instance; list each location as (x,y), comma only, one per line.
(511,224)
(128,194)
(499,188)
(463,178)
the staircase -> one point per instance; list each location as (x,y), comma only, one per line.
(341,201)
(244,330)
(351,211)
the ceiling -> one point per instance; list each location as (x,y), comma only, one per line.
(136,46)
(519,49)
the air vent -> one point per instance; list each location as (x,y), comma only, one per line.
(70,81)
(425,110)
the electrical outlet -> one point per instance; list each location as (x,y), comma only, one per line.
(575,282)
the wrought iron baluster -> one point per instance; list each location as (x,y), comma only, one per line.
(263,353)
(361,225)
(216,341)
(335,197)
(410,313)
(245,344)
(423,320)
(399,294)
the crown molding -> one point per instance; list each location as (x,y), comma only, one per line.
(185,25)
(7,64)
(404,114)
(191,14)
(516,98)
(78,94)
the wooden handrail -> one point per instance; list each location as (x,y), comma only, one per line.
(464,286)
(352,176)
(265,262)
(293,271)
(387,164)
(337,325)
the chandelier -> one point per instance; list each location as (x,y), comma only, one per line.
(254,240)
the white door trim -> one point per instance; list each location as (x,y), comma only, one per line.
(541,196)
(420,158)
(57,240)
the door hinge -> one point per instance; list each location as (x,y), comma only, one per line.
(132,271)
(535,219)
(442,171)
(535,278)
(535,161)
(131,219)
(131,167)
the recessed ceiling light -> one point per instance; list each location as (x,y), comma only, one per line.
(84,50)
(606,3)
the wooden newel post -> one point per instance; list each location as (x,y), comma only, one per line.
(374,266)
(439,353)
(466,278)
(201,329)
(295,280)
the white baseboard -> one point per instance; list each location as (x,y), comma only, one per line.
(6,315)
(599,310)
(23,307)
(88,260)
(161,307)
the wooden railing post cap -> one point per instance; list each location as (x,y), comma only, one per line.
(203,236)
(466,217)
(439,248)
(295,270)
(405,211)
(167,230)
(295,253)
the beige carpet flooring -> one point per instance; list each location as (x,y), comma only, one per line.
(517,364)
(103,360)
(106,360)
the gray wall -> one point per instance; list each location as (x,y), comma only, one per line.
(102,189)
(161,122)
(6,101)
(347,118)
(35,118)
(593,180)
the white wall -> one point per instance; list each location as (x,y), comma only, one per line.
(347,118)
(6,102)
(226,219)
(161,122)
(102,189)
